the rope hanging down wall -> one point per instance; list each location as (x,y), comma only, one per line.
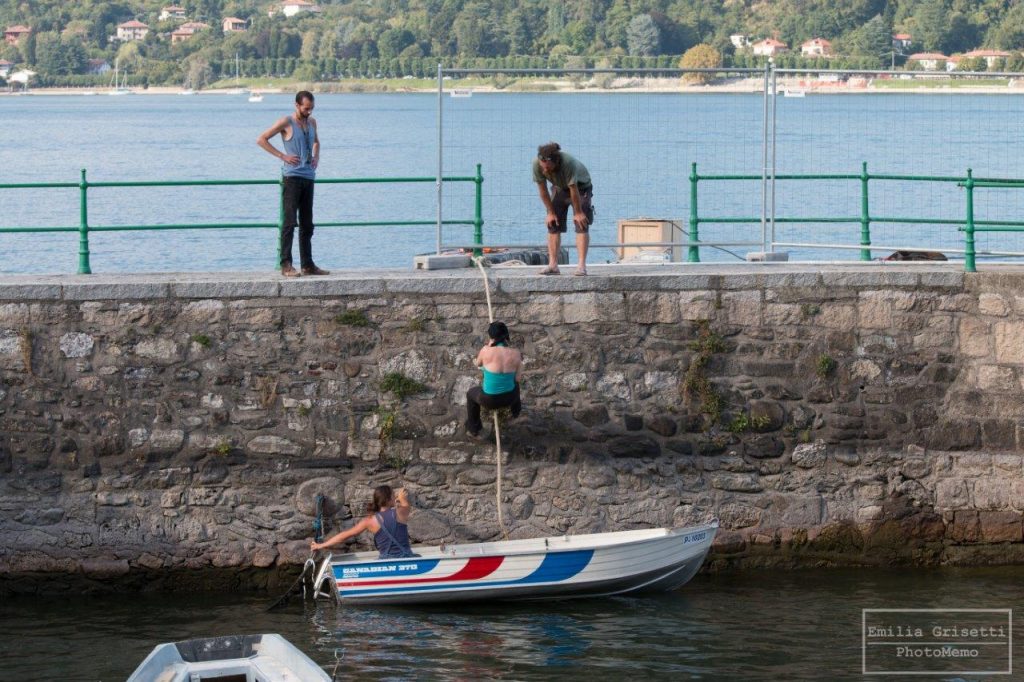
(494,413)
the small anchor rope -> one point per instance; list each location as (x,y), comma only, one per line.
(310,565)
(339,657)
(494,413)
(307,570)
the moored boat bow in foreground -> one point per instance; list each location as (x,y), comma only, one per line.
(267,658)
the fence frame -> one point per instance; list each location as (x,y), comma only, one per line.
(769,176)
(442,72)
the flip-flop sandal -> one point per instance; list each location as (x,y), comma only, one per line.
(580,272)
(549,271)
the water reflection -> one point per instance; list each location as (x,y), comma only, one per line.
(474,642)
(754,626)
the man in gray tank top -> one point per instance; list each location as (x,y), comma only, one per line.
(301,156)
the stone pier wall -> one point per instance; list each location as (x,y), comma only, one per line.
(860,415)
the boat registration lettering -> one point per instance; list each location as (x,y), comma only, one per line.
(695,537)
(360,571)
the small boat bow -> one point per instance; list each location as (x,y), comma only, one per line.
(269,658)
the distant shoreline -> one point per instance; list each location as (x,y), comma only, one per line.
(792,86)
(155,90)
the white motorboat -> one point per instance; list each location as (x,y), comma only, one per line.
(255,96)
(266,658)
(594,565)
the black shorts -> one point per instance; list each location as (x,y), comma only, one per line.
(561,200)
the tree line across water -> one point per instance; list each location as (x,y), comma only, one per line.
(402,38)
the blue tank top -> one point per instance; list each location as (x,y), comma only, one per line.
(301,145)
(498,382)
(392,540)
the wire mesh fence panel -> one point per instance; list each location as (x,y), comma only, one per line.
(158,138)
(637,132)
(910,124)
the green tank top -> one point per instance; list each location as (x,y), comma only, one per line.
(498,382)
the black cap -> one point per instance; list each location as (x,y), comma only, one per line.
(497,331)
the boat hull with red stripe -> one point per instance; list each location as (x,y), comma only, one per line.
(598,564)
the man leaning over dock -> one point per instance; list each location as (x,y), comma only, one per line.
(570,182)
(301,156)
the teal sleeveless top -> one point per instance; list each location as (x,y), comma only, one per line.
(498,382)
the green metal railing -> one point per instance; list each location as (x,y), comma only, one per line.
(969,226)
(972,225)
(84,228)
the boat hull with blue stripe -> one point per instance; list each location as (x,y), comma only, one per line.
(599,564)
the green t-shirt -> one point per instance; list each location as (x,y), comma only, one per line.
(569,172)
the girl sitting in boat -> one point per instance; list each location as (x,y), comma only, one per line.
(387,516)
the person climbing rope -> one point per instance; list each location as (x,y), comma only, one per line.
(500,365)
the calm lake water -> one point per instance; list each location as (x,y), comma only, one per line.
(759,625)
(638,147)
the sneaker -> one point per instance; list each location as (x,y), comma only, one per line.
(315,271)
(289,271)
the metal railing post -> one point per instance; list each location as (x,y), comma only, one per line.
(83,227)
(865,215)
(693,253)
(764,156)
(440,153)
(478,214)
(969,265)
(280,225)
(769,244)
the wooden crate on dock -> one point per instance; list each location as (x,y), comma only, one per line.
(650,230)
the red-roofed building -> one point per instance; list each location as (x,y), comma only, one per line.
(97,66)
(233,24)
(186,31)
(770,47)
(990,56)
(817,47)
(172,12)
(132,30)
(901,42)
(928,60)
(15,33)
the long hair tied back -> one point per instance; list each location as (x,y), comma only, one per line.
(382,496)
